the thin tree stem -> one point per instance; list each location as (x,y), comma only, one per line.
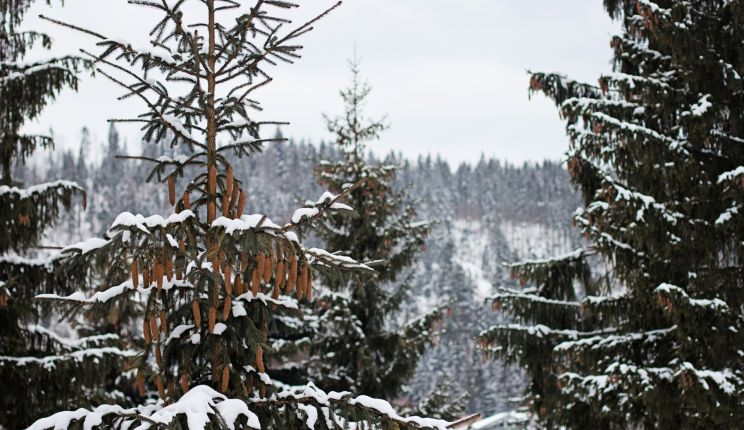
(211,114)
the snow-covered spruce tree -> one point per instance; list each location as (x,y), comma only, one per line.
(353,345)
(653,339)
(36,364)
(212,278)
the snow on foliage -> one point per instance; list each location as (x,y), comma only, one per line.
(731,174)
(24,193)
(727,215)
(115,292)
(127,219)
(699,108)
(87,246)
(311,392)
(199,405)
(50,361)
(611,341)
(680,294)
(246,222)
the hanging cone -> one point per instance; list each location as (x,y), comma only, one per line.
(154,331)
(184,381)
(225,204)
(169,269)
(163,321)
(157,273)
(172,190)
(146,331)
(260,264)
(259,359)
(186,200)
(255,282)
(309,286)
(241,204)
(212,318)
(279,276)
(268,268)
(226,309)
(229,182)
(227,272)
(235,194)
(158,358)
(139,382)
(196,311)
(301,283)
(146,276)
(292,274)
(134,269)
(238,283)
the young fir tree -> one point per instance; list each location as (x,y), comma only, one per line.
(355,345)
(654,338)
(36,364)
(213,279)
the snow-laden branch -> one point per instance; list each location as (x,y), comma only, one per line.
(24,193)
(612,341)
(731,174)
(675,293)
(200,406)
(125,288)
(50,362)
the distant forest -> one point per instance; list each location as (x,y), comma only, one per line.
(485,214)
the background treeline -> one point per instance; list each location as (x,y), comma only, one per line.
(485,214)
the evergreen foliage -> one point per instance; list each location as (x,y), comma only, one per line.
(212,279)
(357,343)
(37,363)
(651,336)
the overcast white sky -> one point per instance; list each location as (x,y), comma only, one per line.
(449,75)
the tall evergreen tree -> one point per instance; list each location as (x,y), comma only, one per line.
(358,344)
(652,336)
(36,364)
(213,280)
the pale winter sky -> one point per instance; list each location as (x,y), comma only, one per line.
(449,75)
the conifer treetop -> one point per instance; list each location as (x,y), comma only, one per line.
(352,345)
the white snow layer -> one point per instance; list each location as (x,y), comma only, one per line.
(201,403)
(197,405)
(24,193)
